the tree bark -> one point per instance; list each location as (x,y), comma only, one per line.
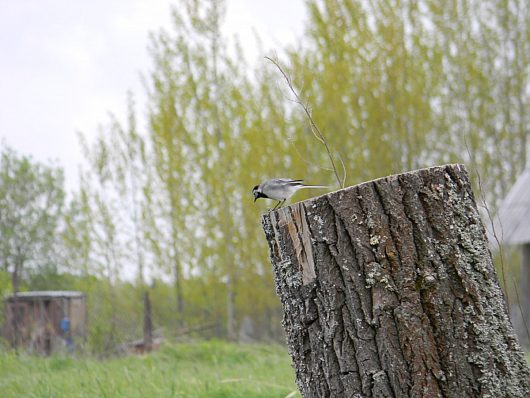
(389,290)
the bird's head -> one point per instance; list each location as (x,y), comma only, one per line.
(256,191)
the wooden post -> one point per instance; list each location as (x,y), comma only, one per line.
(388,290)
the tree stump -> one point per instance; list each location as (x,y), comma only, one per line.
(388,290)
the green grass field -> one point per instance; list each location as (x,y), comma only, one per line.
(207,369)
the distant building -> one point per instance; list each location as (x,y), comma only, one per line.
(513,221)
(46,321)
(513,227)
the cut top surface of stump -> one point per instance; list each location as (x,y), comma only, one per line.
(388,289)
(458,167)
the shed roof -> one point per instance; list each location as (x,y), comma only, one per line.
(45,294)
(514,214)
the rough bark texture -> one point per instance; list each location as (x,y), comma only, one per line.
(388,290)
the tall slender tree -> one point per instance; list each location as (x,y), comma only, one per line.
(31,206)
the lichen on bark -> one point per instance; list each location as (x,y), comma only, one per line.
(389,290)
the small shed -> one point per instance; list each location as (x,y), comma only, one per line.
(513,227)
(44,322)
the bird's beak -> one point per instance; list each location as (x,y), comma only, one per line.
(255,198)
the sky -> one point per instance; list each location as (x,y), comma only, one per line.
(64,65)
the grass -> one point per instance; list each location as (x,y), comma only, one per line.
(206,369)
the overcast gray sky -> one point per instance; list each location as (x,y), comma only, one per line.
(65,64)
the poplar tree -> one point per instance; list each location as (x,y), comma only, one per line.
(31,206)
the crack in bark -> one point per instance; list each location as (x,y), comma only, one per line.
(404,301)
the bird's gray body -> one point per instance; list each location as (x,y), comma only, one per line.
(280,189)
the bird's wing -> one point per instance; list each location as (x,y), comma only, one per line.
(288,181)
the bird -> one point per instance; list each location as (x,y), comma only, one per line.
(280,189)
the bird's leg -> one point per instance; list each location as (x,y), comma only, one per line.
(282,202)
(274,208)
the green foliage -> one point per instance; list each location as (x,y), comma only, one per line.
(186,182)
(48,278)
(5,289)
(211,369)
(5,283)
(31,202)
(405,84)
(393,85)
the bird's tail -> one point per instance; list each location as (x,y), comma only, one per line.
(315,186)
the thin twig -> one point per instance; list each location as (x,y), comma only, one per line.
(521,308)
(344,172)
(314,128)
(493,229)
(498,241)
(291,141)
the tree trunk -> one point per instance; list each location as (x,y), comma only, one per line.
(15,281)
(17,270)
(230,309)
(148,323)
(178,292)
(388,290)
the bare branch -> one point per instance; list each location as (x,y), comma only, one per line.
(498,242)
(521,309)
(292,142)
(344,172)
(314,128)
(492,224)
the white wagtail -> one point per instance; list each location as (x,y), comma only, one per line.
(280,189)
